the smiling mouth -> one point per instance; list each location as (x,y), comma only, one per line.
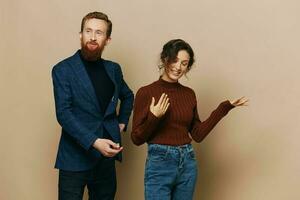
(176,73)
(92,46)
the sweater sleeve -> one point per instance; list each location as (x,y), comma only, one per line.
(199,130)
(143,122)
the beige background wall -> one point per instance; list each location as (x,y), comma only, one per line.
(245,47)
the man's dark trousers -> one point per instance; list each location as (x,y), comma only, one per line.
(100,181)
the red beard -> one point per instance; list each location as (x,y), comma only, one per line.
(91,51)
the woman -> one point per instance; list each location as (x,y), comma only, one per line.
(169,125)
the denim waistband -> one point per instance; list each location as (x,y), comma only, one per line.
(185,147)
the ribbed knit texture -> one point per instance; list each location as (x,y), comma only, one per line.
(180,120)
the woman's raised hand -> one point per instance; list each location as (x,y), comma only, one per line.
(240,102)
(161,107)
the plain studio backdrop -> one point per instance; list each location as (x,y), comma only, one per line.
(243,48)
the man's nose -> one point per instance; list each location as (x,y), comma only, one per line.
(93,36)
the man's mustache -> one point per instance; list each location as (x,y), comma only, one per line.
(92,43)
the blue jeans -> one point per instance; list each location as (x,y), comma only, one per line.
(170,172)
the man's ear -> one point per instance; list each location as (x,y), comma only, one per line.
(80,35)
(107,41)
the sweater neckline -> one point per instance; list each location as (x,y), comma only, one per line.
(166,84)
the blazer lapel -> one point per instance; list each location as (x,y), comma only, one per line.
(110,71)
(83,76)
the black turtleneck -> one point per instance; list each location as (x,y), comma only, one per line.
(103,85)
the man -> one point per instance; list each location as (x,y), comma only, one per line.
(86,90)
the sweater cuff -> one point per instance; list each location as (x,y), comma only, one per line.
(225,107)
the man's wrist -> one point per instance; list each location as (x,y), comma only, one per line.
(96,141)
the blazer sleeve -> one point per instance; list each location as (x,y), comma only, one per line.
(64,114)
(126,97)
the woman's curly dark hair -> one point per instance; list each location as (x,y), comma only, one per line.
(171,49)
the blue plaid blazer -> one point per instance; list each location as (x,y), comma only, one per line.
(80,116)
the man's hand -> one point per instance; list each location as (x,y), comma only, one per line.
(107,147)
(161,107)
(121,126)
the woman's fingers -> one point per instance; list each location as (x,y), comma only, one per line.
(161,107)
(152,102)
(162,97)
(240,102)
(237,100)
(165,102)
(166,108)
(243,103)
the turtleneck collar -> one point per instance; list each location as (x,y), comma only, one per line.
(169,85)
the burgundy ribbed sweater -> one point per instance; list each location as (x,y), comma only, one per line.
(180,120)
